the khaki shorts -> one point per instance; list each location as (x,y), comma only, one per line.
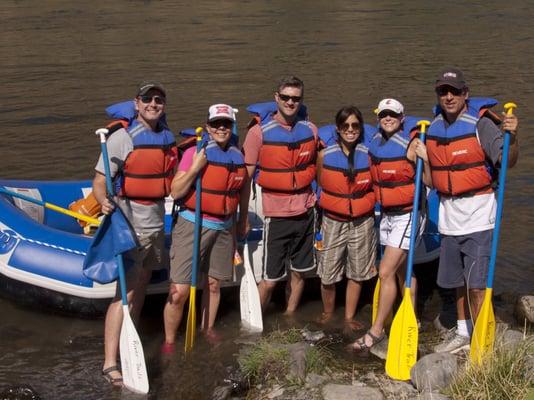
(349,248)
(150,255)
(216,252)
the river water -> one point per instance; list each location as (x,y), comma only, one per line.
(63,62)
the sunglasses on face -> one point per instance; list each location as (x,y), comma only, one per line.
(148,99)
(285,97)
(388,113)
(354,125)
(221,123)
(444,90)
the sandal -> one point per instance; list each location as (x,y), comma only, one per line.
(360,346)
(106,373)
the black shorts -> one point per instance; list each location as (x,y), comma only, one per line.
(288,244)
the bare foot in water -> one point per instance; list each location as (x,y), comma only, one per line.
(213,337)
(325,318)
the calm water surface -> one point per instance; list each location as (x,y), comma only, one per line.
(63,62)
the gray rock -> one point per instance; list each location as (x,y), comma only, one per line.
(434,371)
(313,380)
(432,396)
(334,391)
(221,392)
(512,338)
(529,368)
(312,336)
(380,349)
(524,309)
(297,365)
(398,390)
(276,391)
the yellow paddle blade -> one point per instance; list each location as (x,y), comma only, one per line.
(191,321)
(403,339)
(376,296)
(484,331)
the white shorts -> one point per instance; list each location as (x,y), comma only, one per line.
(395,230)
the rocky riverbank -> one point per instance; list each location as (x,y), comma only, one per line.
(302,364)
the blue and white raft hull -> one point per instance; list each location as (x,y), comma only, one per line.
(42,251)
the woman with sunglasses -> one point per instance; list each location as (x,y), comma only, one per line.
(347,202)
(392,154)
(222,168)
(143,156)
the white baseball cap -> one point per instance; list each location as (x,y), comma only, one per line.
(391,105)
(221,111)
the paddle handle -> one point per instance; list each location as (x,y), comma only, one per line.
(53,207)
(415,212)
(105,158)
(509,107)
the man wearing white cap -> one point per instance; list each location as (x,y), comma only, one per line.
(223,171)
(392,155)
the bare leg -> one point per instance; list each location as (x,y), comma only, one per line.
(328,295)
(476,296)
(294,293)
(391,261)
(461,304)
(211,297)
(401,276)
(174,310)
(352,296)
(139,290)
(265,289)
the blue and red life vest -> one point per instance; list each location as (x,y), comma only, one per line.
(148,170)
(392,173)
(457,161)
(286,160)
(346,190)
(222,180)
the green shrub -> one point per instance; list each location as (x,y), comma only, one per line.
(507,375)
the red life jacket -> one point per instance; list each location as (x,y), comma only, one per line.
(393,174)
(149,169)
(457,160)
(222,180)
(345,197)
(286,160)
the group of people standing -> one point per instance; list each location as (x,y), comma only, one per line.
(354,164)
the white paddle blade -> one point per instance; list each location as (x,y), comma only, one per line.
(249,296)
(133,365)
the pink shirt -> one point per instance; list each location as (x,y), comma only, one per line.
(277,204)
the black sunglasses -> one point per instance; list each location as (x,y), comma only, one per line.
(388,113)
(444,90)
(148,99)
(354,125)
(285,97)
(221,123)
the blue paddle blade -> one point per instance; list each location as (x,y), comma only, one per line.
(114,236)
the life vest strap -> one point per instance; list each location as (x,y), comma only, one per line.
(221,192)
(148,176)
(300,167)
(352,196)
(291,145)
(163,147)
(378,160)
(386,184)
(447,140)
(305,189)
(458,167)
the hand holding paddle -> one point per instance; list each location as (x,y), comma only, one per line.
(484,330)
(133,365)
(403,336)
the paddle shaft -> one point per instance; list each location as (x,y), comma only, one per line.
(53,207)
(415,213)
(500,202)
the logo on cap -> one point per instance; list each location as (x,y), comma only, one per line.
(222,110)
(449,75)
